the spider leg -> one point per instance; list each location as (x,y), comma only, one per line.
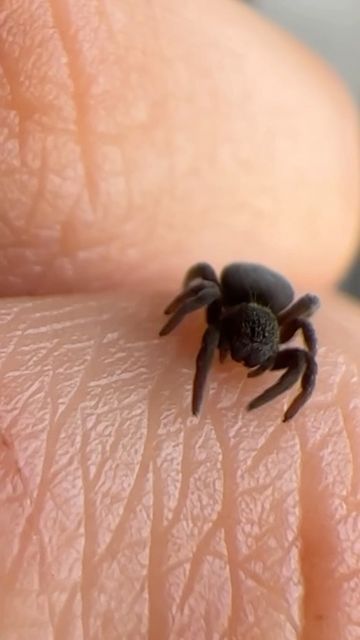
(191,290)
(207,294)
(201,270)
(304,307)
(296,362)
(197,277)
(307,387)
(209,343)
(288,330)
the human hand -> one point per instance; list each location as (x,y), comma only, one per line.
(138,140)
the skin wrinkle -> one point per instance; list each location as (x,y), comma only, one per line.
(159,601)
(34,513)
(318,540)
(262,451)
(181,511)
(184,489)
(63,24)
(231,548)
(124,147)
(200,553)
(230,540)
(50,451)
(43,176)
(18,103)
(21,71)
(89,548)
(351,415)
(64,625)
(39,187)
(179,508)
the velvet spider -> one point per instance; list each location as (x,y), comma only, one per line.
(250,313)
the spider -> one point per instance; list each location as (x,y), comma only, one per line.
(250,313)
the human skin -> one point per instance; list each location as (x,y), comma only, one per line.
(139,138)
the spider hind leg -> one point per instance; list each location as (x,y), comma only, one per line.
(297,362)
(289,329)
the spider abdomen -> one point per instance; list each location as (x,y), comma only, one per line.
(248,282)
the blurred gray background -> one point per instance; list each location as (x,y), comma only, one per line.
(332,28)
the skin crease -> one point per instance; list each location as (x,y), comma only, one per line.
(121,515)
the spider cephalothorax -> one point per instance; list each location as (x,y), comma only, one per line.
(250,314)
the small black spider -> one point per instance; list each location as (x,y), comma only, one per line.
(249,315)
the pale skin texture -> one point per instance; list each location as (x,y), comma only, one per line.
(138,138)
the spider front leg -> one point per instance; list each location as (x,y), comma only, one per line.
(210,341)
(201,270)
(297,362)
(199,292)
(304,307)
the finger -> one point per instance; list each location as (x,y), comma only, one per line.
(109,487)
(171,136)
